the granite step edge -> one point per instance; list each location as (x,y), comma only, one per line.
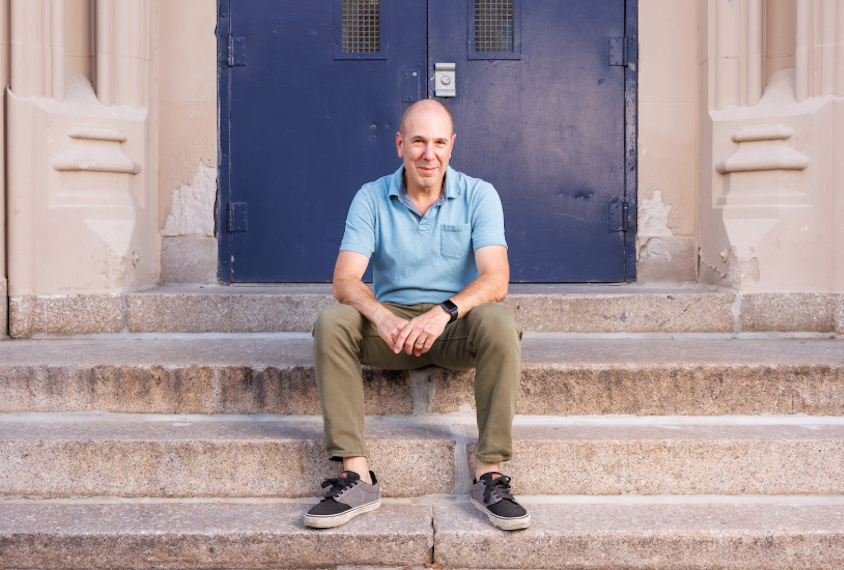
(576,309)
(247,459)
(452,535)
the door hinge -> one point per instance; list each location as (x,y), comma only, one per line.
(619,217)
(619,49)
(236,52)
(237,216)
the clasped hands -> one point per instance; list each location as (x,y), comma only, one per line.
(415,336)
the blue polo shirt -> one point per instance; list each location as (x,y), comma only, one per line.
(429,260)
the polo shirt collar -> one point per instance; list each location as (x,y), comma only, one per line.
(452,189)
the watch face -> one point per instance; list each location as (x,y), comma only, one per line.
(451,308)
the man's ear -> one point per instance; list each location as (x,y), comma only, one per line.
(398,144)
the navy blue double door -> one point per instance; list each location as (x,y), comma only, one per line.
(543,96)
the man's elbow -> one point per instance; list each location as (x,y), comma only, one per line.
(339,290)
(502,285)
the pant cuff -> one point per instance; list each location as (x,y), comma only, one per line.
(339,455)
(492,458)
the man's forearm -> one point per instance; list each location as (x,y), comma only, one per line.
(490,287)
(357,294)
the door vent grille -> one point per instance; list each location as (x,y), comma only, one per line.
(361,26)
(493,25)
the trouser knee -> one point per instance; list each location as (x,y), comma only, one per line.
(336,323)
(494,323)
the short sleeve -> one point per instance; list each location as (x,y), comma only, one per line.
(487,218)
(360,225)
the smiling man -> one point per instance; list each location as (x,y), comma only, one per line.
(436,240)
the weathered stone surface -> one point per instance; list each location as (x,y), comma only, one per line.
(188,390)
(260,535)
(554,389)
(71,314)
(666,377)
(839,313)
(209,458)
(610,312)
(571,377)
(653,537)
(788,312)
(189,260)
(538,308)
(193,205)
(666,261)
(679,459)
(178,376)
(227,309)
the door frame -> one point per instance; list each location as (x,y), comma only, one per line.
(631,76)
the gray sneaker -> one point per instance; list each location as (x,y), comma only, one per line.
(494,498)
(347,497)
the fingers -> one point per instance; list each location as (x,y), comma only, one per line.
(429,342)
(407,339)
(418,335)
(401,338)
(414,339)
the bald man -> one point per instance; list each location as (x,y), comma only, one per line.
(436,240)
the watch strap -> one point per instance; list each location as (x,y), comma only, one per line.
(451,308)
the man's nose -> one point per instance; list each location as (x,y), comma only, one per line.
(429,152)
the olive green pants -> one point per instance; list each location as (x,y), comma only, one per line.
(487,339)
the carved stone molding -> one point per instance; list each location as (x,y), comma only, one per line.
(99,150)
(763,147)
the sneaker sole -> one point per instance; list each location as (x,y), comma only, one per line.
(330,521)
(502,522)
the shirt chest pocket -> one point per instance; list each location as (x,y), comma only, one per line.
(456,241)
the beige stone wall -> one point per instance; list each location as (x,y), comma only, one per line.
(188,149)
(82,157)
(668,133)
(772,78)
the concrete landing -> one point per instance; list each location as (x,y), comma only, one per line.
(600,536)
(244,375)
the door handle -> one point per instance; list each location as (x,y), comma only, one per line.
(444,80)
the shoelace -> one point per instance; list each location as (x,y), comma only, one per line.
(498,489)
(338,485)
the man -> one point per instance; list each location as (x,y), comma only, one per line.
(436,240)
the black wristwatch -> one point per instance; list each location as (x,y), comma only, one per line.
(451,308)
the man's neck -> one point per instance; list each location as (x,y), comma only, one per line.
(422,198)
(418,193)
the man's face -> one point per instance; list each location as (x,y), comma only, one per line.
(425,147)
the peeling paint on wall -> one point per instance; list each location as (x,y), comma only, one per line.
(193,206)
(653,217)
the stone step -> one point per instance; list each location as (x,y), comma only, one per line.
(619,308)
(243,374)
(212,535)
(194,456)
(807,533)
(656,537)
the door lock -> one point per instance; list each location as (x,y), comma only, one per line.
(444,80)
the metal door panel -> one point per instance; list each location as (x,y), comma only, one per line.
(307,130)
(547,130)
(301,131)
